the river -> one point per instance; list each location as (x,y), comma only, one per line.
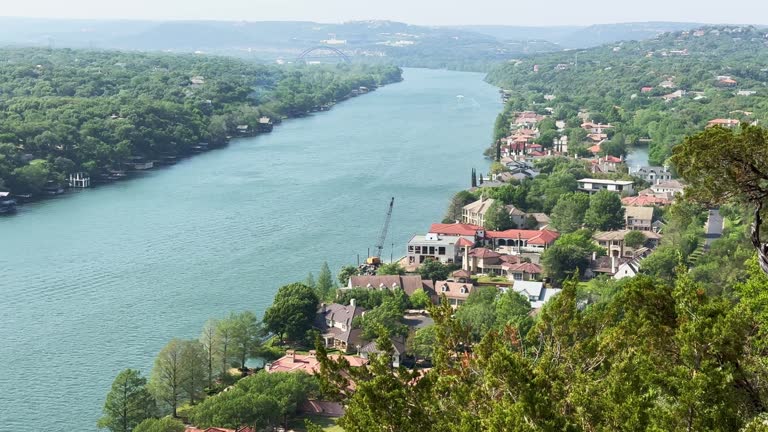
(98,281)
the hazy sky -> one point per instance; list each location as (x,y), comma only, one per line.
(429,12)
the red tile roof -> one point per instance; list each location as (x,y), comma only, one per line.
(529,268)
(455,229)
(463,242)
(534,237)
(644,201)
(307,363)
(483,253)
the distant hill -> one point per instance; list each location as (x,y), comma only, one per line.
(374,41)
(584,36)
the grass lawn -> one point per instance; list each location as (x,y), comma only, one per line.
(328,424)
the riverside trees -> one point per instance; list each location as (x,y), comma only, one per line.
(64,111)
(128,403)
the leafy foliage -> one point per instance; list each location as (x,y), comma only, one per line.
(292,312)
(128,403)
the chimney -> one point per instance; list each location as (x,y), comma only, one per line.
(613,264)
(291,354)
(322,307)
(594,256)
(352,303)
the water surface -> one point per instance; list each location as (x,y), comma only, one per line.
(99,281)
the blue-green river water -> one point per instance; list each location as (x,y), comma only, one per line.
(98,281)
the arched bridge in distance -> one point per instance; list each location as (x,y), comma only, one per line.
(307,53)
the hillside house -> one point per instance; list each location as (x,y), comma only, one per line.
(443,248)
(638,218)
(595,185)
(652,174)
(613,242)
(474,213)
(335,324)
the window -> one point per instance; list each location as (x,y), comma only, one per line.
(410,248)
(517,276)
(418,250)
(441,250)
(463,290)
(431,250)
(444,288)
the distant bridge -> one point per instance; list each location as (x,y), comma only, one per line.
(338,53)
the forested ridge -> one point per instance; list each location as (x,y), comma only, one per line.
(609,82)
(64,111)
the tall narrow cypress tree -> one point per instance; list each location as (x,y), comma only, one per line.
(474,178)
(498,151)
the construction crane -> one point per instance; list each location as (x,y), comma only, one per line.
(376,258)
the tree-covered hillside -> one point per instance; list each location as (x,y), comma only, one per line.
(717,72)
(64,111)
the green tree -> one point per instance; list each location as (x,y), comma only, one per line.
(634,239)
(497,218)
(423,342)
(662,262)
(246,335)
(434,270)
(310,281)
(31,178)
(347,272)
(224,333)
(165,424)
(292,312)
(513,309)
(209,341)
(570,253)
(128,403)
(194,370)
(324,282)
(478,312)
(393,268)
(568,214)
(605,212)
(167,379)
(420,299)
(387,317)
(713,162)
(456,206)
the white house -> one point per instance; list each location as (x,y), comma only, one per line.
(595,185)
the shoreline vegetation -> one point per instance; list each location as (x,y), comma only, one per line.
(80,118)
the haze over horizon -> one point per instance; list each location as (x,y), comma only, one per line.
(429,12)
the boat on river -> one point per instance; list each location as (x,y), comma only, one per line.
(7,204)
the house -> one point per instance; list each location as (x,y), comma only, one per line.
(726,123)
(335,323)
(596,185)
(518,241)
(409,284)
(459,229)
(474,213)
(217,429)
(674,95)
(668,84)
(669,188)
(455,292)
(652,174)
(522,271)
(605,265)
(542,220)
(518,216)
(613,242)
(627,269)
(535,292)
(638,218)
(482,260)
(745,93)
(646,89)
(607,164)
(443,248)
(726,81)
(596,128)
(398,350)
(645,201)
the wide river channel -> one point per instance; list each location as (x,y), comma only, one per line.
(98,281)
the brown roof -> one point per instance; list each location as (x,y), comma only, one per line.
(620,234)
(529,268)
(456,290)
(322,408)
(461,274)
(307,363)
